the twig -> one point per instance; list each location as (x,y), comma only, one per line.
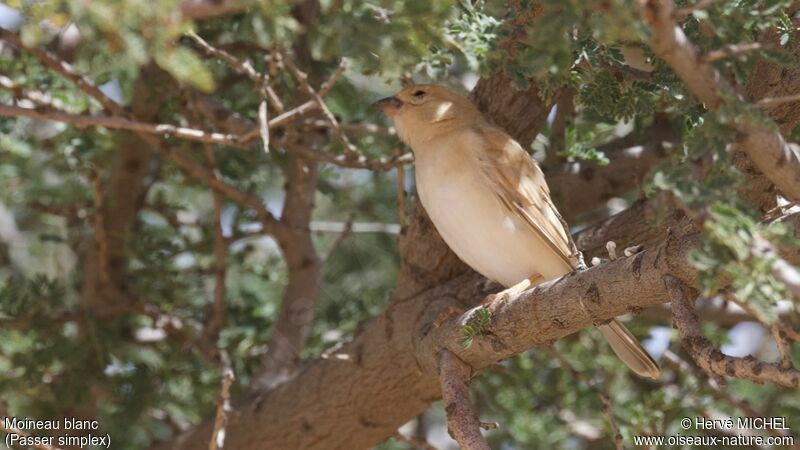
(710,359)
(220,248)
(355,227)
(787,329)
(38,98)
(360,162)
(66,70)
(782,332)
(784,272)
(263,124)
(244,67)
(268,222)
(304,108)
(416,443)
(731,50)
(783,344)
(565,115)
(123,123)
(716,390)
(344,234)
(462,422)
(349,149)
(351,127)
(223,404)
(629,72)
(774,101)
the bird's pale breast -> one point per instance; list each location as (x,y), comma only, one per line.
(475,224)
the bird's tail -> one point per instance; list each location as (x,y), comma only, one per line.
(629,350)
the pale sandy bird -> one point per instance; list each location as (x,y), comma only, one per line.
(489,200)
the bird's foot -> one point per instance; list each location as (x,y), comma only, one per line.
(611,248)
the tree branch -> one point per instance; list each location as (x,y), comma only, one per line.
(462,422)
(121,123)
(301,293)
(709,358)
(66,70)
(778,160)
(219,249)
(362,392)
(350,150)
(217,440)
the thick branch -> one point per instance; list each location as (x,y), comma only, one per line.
(521,113)
(358,395)
(304,279)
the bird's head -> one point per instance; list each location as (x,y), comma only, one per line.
(423,111)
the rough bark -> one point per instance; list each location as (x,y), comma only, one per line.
(772,80)
(520,113)
(360,394)
(646,223)
(122,197)
(300,295)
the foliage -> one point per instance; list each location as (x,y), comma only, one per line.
(476,326)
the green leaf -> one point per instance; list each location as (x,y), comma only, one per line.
(186,66)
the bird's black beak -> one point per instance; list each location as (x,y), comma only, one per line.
(389,105)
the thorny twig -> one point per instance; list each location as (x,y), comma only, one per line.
(716,390)
(262,81)
(124,123)
(223,404)
(710,359)
(350,150)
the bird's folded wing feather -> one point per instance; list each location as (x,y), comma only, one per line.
(520,185)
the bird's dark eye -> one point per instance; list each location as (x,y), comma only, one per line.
(419,94)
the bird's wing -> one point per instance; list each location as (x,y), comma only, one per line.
(519,183)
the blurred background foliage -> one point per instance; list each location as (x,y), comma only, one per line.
(145,384)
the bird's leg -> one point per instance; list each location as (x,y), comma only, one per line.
(532,280)
(633,249)
(611,247)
